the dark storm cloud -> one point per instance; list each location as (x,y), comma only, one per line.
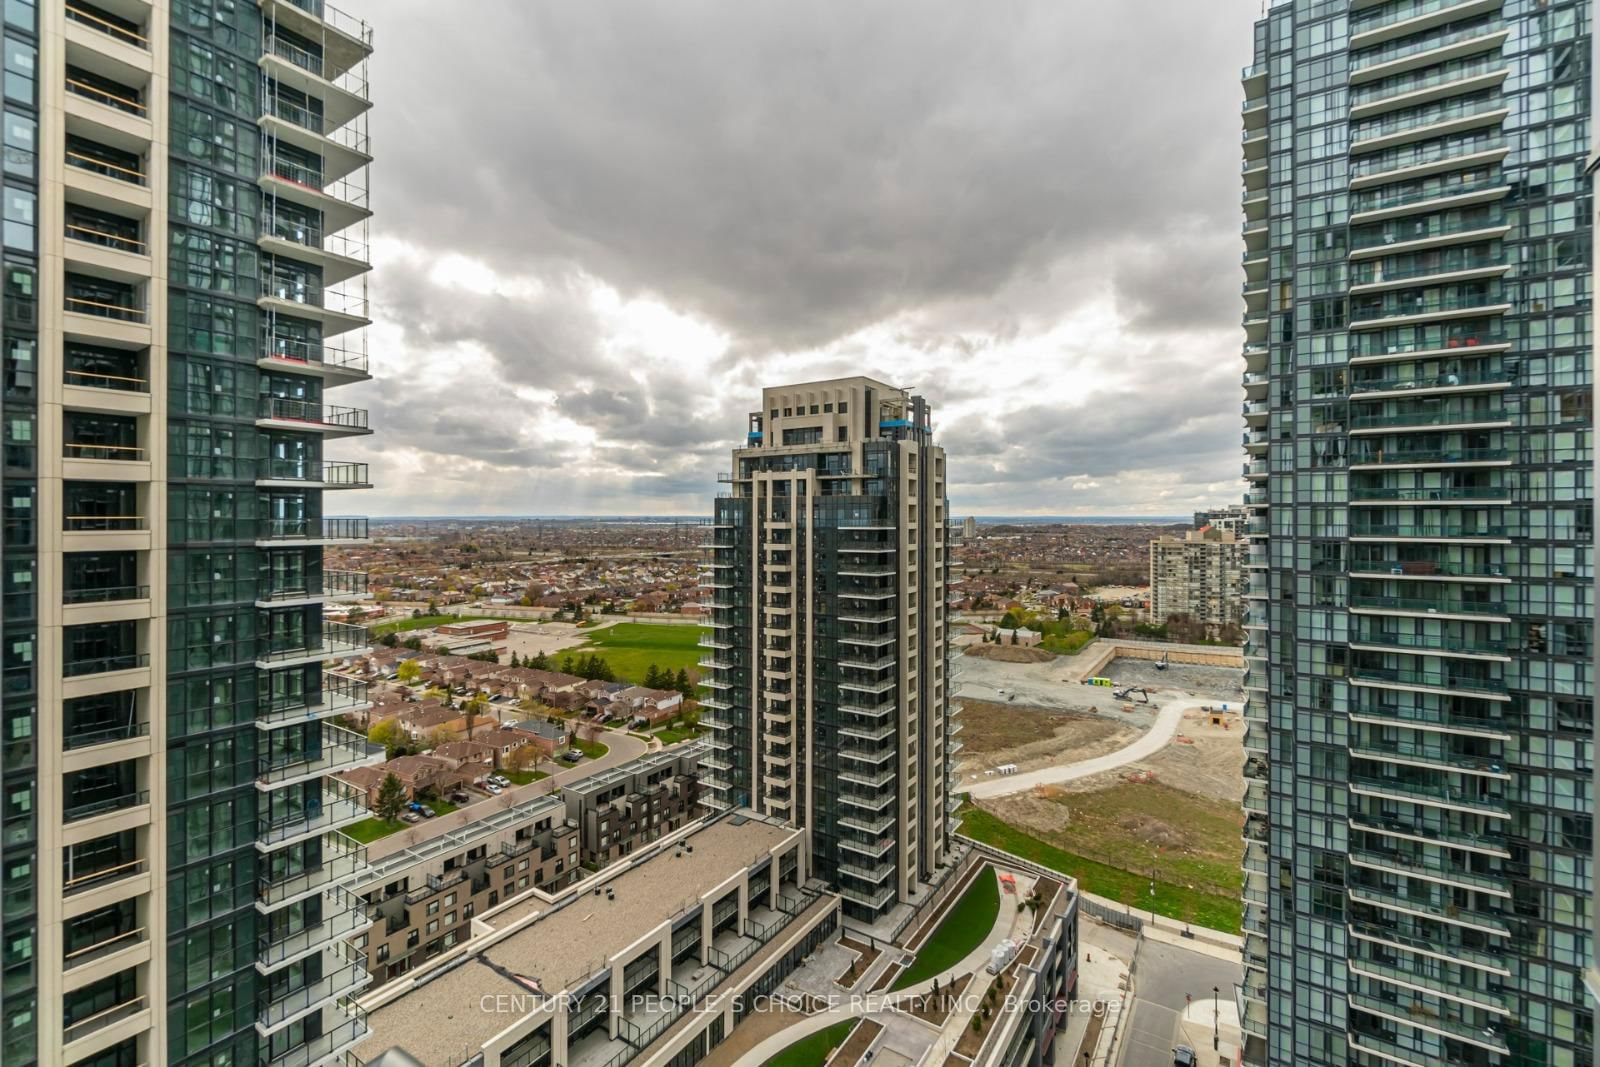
(795,171)
(970,176)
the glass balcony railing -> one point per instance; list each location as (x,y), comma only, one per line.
(1421,153)
(1442,945)
(1426,115)
(1412,81)
(1430,529)
(1435,716)
(104,310)
(1432,975)
(105,594)
(121,98)
(1414,228)
(1429,381)
(1378,749)
(1427,568)
(105,168)
(1428,605)
(76,667)
(1370,310)
(78,1029)
(1429,455)
(313,529)
(1432,494)
(89,807)
(337,19)
(1438,792)
(301,232)
(1443,37)
(1429,642)
(1423,264)
(1434,189)
(284,409)
(327,474)
(1374,18)
(1442,416)
(336,639)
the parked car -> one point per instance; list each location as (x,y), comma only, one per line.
(572,755)
(1183,1056)
(500,780)
(491,788)
(411,816)
(427,812)
(459,797)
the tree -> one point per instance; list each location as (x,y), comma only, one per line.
(515,662)
(540,662)
(690,718)
(1013,637)
(409,672)
(473,709)
(389,640)
(391,798)
(391,735)
(566,664)
(652,677)
(518,759)
(439,735)
(413,643)
(681,683)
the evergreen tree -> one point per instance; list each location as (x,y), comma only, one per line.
(540,662)
(681,683)
(567,666)
(652,677)
(391,798)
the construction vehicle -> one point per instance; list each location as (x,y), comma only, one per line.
(1161,665)
(1124,694)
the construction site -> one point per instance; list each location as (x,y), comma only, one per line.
(1130,761)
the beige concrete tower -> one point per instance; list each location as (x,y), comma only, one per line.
(828,666)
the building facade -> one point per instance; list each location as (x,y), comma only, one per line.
(1232,518)
(185,247)
(827,663)
(1200,574)
(1418,420)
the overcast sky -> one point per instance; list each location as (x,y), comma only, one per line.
(602,227)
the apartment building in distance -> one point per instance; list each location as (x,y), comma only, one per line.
(1419,430)
(1232,518)
(827,666)
(625,808)
(184,254)
(1200,574)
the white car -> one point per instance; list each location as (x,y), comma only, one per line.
(492,788)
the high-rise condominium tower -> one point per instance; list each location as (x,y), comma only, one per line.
(826,666)
(1418,430)
(184,253)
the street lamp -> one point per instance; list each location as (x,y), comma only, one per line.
(1216,1018)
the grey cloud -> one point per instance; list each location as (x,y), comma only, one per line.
(795,171)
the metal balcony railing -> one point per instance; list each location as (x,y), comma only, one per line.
(122,33)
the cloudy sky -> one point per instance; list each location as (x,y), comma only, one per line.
(602,226)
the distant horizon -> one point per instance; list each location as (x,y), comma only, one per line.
(997,519)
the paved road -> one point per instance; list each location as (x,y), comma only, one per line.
(1163,975)
(1148,744)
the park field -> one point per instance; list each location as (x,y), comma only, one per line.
(631,647)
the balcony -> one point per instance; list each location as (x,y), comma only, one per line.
(336,640)
(105,594)
(1431,1021)
(79,667)
(1452,227)
(341,859)
(1427,417)
(335,365)
(342,202)
(338,695)
(108,877)
(1452,78)
(99,803)
(339,750)
(303,297)
(273,532)
(1428,457)
(1428,194)
(1400,20)
(1423,974)
(327,1048)
(105,92)
(1434,120)
(111,945)
(1430,794)
(332,811)
(341,144)
(1428,606)
(345,981)
(281,413)
(343,914)
(1414,864)
(1430,717)
(1434,756)
(1472,495)
(1429,643)
(80,1029)
(1429,531)
(1425,50)
(1405,162)
(121,30)
(1427,569)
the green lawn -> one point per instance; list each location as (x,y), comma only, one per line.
(524,777)
(671,735)
(369,830)
(812,1050)
(962,929)
(591,749)
(630,648)
(1212,910)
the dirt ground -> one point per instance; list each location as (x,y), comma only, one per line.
(1009,653)
(1031,738)
(1224,683)
(532,638)
(1205,760)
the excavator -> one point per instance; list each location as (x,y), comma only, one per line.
(1161,664)
(1124,694)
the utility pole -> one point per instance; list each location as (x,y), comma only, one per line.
(1216,1018)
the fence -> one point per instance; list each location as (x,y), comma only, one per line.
(1120,918)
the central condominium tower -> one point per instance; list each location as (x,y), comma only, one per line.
(826,668)
(1418,381)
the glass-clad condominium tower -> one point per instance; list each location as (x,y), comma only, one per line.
(826,664)
(1418,432)
(184,258)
